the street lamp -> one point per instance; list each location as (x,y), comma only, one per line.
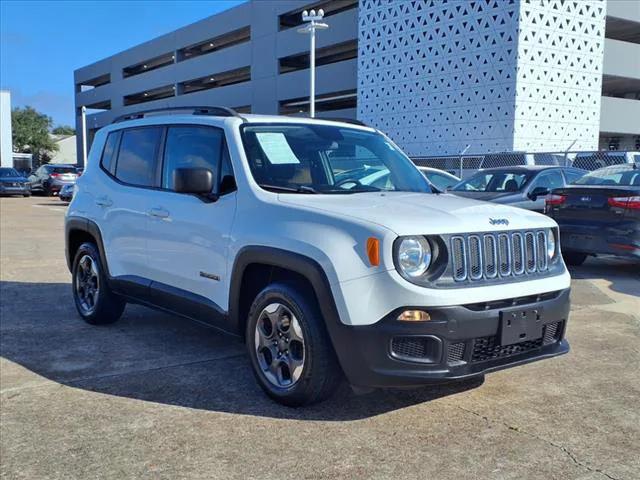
(314,18)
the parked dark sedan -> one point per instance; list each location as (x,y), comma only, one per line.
(523,186)
(12,183)
(599,214)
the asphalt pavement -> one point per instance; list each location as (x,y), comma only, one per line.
(158,396)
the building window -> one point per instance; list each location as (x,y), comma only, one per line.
(215,44)
(93,83)
(150,95)
(623,30)
(98,106)
(331,7)
(216,80)
(324,56)
(324,103)
(148,65)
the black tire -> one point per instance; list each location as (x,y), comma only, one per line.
(574,258)
(106,306)
(321,373)
(26,195)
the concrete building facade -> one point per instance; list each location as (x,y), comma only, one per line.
(436,76)
(6,139)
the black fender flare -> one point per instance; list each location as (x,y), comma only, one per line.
(341,335)
(276,257)
(88,226)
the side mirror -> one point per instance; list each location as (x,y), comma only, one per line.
(198,181)
(538,192)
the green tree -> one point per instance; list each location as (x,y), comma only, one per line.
(64,130)
(31,133)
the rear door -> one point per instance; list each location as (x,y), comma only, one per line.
(130,163)
(188,237)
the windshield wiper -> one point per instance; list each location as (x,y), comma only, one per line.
(281,188)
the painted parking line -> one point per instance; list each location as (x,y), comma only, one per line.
(61,208)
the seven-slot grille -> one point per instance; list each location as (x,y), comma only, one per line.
(485,256)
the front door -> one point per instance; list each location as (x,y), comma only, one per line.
(188,237)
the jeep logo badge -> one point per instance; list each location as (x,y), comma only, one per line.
(498,221)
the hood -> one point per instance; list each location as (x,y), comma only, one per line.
(499,197)
(422,213)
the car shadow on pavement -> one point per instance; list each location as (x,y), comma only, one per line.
(623,274)
(161,358)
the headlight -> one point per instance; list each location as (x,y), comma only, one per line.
(551,243)
(414,256)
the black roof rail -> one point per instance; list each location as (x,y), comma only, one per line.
(198,110)
(353,121)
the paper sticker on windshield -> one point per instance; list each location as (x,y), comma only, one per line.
(277,148)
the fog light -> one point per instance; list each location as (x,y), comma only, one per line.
(414,316)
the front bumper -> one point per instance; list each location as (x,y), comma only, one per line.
(15,190)
(458,342)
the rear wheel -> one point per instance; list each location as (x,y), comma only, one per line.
(94,300)
(574,258)
(290,350)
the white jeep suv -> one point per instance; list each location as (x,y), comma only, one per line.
(262,226)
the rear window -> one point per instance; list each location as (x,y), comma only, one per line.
(624,175)
(62,170)
(138,156)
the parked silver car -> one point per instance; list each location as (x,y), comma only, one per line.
(50,179)
(523,186)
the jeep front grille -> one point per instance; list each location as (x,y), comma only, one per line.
(505,254)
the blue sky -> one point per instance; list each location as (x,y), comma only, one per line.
(43,42)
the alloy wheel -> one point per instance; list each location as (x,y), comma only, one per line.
(279,345)
(87,284)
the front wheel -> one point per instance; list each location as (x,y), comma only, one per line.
(94,300)
(290,350)
(574,258)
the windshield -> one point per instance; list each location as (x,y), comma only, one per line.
(9,172)
(305,158)
(498,181)
(623,175)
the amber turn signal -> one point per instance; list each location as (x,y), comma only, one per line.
(414,316)
(373,251)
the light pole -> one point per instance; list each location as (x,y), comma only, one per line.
(84,136)
(314,18)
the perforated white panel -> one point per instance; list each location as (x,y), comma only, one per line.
(495,74)
(559,83)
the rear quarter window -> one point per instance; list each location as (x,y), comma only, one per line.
(138,156)
(109,153)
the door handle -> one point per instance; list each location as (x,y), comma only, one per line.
(104,202)
(158,213)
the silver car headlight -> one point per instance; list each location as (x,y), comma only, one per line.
(551,243)
(414,256)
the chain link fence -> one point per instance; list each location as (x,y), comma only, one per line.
(465,165)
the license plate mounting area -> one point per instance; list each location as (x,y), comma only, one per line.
(518,326)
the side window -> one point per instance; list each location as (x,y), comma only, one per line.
(108,160)
(549,181)
(138,156)
(572,175)
(191,147)
(441,182)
